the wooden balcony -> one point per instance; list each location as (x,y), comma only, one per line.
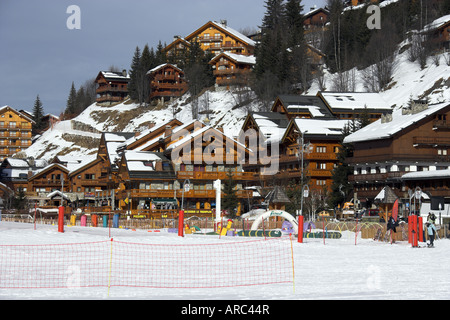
(104,89)
(284,158)
(203,175)
(109,99)
(169,194)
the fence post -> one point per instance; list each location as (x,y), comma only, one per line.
(61,219)
(300,229)
(420,229)
(181,223)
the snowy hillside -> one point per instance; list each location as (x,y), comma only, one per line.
(409,81)
(82,134)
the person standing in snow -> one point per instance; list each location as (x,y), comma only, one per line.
(431,233)
(391,227)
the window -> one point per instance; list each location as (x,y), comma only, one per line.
(442,152)
(321,149)
(321,166)
(321,182)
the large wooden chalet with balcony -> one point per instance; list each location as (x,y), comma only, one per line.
(15,131)
(409,148)
(167,81)
(112,87)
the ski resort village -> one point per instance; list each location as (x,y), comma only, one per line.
(316,143)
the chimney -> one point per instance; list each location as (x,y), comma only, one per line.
(168,131)
(223,22)
(137,133)
(151,124)
(124,72)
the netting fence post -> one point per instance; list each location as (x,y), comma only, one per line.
(300,229)
(61,219)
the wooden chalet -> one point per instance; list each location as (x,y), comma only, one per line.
(43,184)
(87,179)
(14,173)
(438,33)
(112,87)
(156,165)
(321,144)
(15,131)
(146,184)
(166,82)
(316,18)
(214,37)
(232,69)
(409,148)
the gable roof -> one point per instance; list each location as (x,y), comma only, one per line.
(113,76)
(164,65)
(236,58)
(311,104)
(400,121)
(49,168)
(437,24)
(354,101)
(20,114)
(224,28)
(314,128)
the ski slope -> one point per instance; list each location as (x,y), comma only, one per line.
(338,269)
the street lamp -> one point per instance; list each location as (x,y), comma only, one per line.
(301,141)
(186,187)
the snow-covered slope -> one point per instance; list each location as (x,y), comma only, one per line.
(408,82)
(81,135)
(67,137)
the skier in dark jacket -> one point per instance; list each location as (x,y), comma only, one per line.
(391,227)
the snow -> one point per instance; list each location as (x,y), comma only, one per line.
(338,270)
(437,23)
(321,127)
(355,100)
(235,33)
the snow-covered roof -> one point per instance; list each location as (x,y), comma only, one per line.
(141,161)
(355,101)
(115,75)
(240,58)
(235,33)
(384,130)
(321,127)
(24,163)
(313,110)
(162,66)
(272,130)
(439,174)
(436,24)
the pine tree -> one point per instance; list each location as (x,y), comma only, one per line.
(38,113)
(340,188)
(230,201)
(147,62)
(71,107)
(135,74)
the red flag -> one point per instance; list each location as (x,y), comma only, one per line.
(395,210)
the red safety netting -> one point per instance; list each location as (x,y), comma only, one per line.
(113,263)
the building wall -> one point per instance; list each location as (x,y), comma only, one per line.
(15,133)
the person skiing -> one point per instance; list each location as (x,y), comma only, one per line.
(431,233)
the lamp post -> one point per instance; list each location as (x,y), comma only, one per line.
(186,187)
(301,141)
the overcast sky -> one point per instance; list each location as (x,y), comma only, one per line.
(40,55)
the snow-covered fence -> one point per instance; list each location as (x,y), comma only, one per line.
(112,263)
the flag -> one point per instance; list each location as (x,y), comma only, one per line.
(395,210)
